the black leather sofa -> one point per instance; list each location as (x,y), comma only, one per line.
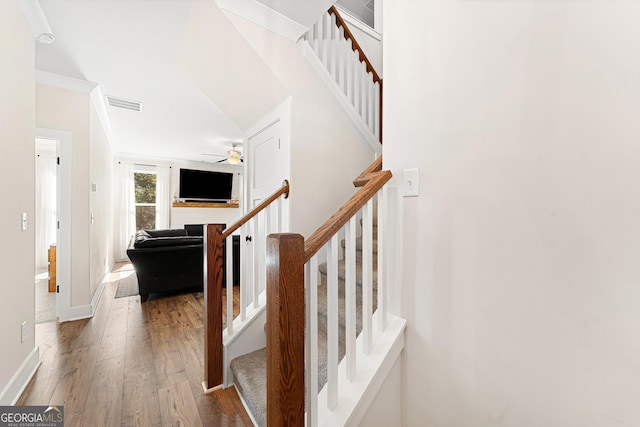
(167,260)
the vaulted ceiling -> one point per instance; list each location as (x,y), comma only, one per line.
(133,50)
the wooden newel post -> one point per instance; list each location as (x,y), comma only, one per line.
(213,306)
(285,330)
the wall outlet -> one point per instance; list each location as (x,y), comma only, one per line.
(24,332)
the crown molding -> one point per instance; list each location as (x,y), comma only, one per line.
(64,82)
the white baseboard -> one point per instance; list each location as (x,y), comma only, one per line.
(20,379)
(87,311)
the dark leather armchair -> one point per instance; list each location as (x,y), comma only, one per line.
(166,260)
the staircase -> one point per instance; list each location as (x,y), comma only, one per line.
(250,370)
(319,304)
(341,63)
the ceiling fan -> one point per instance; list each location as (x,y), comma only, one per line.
(233,157)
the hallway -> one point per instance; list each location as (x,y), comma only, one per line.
(131,364)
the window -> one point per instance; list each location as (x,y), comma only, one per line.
(146,207)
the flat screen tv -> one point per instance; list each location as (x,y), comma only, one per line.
(197,185)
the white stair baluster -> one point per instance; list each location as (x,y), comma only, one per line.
(229,273)
(382,278)
(371,101)
(255,271)
(326,40)
(349,87)
(376,110)
(243,285)
(332,323)
(311,281)
(367,285)
(341,60)
(333,46)
(350,298)
(363,91)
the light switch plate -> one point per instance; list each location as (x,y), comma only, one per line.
(24,221)
(411,182)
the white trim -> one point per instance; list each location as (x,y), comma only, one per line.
(21,378)
(86,311)
(373,369)
(64,82)
(65,199)
(246,407)
(97,98)
(249,336)
(352,20)
(311,56)
(265,17)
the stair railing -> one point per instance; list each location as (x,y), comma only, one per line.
(349,68)
(266,217)
(292,285)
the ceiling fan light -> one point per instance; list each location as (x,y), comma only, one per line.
(234,160)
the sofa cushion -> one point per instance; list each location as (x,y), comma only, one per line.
(166,233)
(141,236)
(157,242)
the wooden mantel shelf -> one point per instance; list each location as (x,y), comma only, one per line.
(204,205)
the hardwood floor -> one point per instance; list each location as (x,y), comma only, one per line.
(132,364)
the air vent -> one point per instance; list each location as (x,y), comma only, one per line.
(127,104)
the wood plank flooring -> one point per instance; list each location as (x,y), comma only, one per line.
(132,364)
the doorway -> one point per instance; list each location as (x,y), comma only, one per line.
(63,204)
(46,229)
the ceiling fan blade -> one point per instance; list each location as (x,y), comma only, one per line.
(220,161)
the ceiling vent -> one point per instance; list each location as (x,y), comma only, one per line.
(127,104)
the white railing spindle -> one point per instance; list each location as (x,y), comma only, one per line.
(350,298)
(367,285)
(311,280)
(382,278)
(243,285)
(229,273)
(332,323)
(255,272)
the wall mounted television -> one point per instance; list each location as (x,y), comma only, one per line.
(208,186)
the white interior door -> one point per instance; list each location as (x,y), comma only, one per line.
(267,167)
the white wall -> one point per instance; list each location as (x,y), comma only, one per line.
(521,253)
(17,149)
(71,111)
(101,210)
(68,110)
(327,151)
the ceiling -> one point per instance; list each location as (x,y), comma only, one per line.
(131,49)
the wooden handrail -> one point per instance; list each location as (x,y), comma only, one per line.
(255,211)
(215,236)
(323,234)
(354,43)
(364,177)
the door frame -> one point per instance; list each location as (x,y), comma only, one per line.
(64,149)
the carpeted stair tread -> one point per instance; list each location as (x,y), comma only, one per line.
(322,308)
(250,372)
(359,245)
(342,272)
